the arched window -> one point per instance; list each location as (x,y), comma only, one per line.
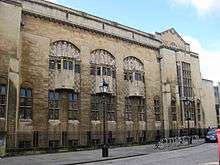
(173,108)
(102,66)
(26,103)
(64,55)
(102,63)
(133,69)
(157,108)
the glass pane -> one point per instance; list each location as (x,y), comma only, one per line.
(77,68)
(58,64)
(51,64)
(70,96)
(92,71)
(21,113)
(28,113)
(113,74)
(70,65)
(28,92)
(99,71)
(22,101)
(104,71)
(108,71)
(2,90)
(29,102)
(56,96)
(65,65)
(22,92)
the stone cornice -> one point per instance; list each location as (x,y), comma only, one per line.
(91,17)
(64,15)
(87,29)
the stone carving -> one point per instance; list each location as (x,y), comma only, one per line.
(132,63)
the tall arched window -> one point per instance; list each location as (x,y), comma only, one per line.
(157,108)
(26,103)
(102,66)
(134,89)
(64,55)
(133,69)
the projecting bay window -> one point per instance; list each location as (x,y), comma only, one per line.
(133,76)
(103,71)
(53,100)
(26,103)
(74,102)
(157,108)
(2,100)
(95,108)
(128,110)
(68,65)
(54,63)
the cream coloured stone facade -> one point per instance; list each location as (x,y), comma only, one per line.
(53,59)
(208,103)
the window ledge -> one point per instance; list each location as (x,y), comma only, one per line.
(25,120)
(54,122)
(2,118)
(95,122)
(111,122)
(129,122)
(73,121)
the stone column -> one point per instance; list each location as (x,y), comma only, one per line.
(85,122)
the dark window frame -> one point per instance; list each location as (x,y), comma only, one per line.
(25,103)
(3,100)
(53,101)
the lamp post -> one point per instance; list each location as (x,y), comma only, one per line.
(187,103)
(104,91)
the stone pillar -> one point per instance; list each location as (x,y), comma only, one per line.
(85,122)
(120,95)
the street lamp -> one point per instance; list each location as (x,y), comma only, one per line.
(104,91)
(187,103)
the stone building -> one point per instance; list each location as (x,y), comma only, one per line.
(208,104)
(52,60)
(217,103)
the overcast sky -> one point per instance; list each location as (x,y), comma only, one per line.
(198,21)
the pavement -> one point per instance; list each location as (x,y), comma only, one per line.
(205,154)
(82,157)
